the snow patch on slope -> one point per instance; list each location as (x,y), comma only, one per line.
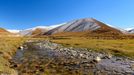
(129,29)
(13,31)
(29,31)
(76,26)
(122,30)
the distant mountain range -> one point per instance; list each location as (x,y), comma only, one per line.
(34,31)
(6,33)
(79,27)
(37,30)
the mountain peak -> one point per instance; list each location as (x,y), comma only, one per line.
(82,25)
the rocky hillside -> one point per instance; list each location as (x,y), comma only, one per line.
(87,26)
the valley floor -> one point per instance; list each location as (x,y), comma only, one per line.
(47,58)
(123,48)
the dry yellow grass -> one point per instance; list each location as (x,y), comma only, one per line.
(8,47)
(118,47)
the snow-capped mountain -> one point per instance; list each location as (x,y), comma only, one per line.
(82,25)
(28,32)
(37,30)
(131,31)
(89,25)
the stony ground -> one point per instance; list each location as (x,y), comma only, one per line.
(47,58)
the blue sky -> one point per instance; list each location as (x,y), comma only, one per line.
(22,14)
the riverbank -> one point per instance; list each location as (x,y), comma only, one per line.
(8,47)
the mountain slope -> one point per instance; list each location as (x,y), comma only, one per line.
(118,28)
(34,31)
(131,31)
(39,30)
(84,27)
(4,32)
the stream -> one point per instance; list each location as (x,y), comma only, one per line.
(47,58)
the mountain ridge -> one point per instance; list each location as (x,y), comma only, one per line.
(88,25)
(40,29)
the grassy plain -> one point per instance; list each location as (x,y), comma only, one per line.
(123,47)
